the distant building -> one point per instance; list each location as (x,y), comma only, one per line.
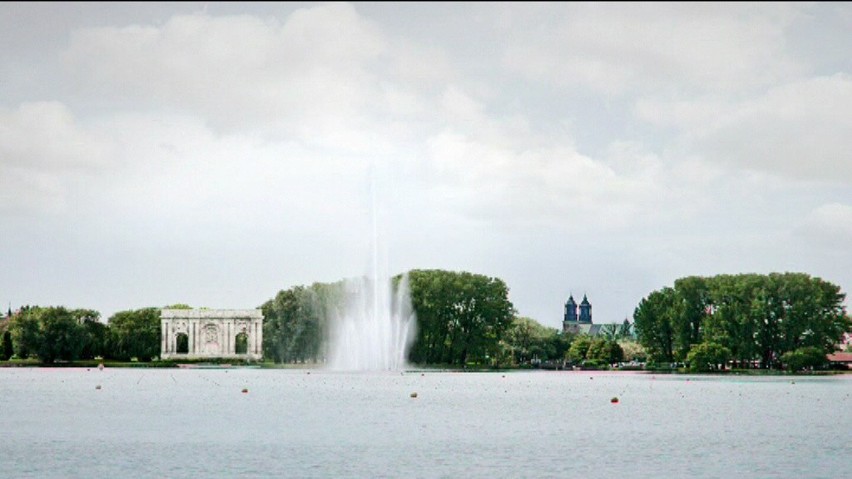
(578,318)
(214,333)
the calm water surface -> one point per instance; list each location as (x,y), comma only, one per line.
(174,423)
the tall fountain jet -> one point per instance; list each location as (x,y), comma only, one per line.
(376,326)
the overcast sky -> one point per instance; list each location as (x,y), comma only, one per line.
(214,154)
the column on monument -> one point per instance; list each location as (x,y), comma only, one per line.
(254,337)
(164,339)
(190,334)
(230,341)
(259,349)
(250,347)
(221,348)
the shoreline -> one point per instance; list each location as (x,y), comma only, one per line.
(87,364)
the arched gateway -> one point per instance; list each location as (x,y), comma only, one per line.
(211,333)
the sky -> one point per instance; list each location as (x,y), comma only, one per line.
(214,154)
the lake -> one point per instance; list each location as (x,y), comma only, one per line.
(198,423)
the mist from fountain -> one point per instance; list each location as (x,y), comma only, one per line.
(376,326)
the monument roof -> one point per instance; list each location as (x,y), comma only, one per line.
(210,313)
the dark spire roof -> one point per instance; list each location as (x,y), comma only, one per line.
(570,299)
(585,300)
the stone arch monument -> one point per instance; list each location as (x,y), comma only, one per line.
(211,333)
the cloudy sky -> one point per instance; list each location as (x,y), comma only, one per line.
(214,154)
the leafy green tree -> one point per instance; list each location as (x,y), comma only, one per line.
(708,357)
(529,339)
(579,349)
(62,337)
(731,321)
(653,321)
(758,318)
(633,351)
(135,334)
(97,339)
(804,358)
(690,306)
(51,333)
(561,343)
(279,317)
(296,322)
(461,316)
(605,351)
(8,350)
(25,334)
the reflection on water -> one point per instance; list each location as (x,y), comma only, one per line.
(300,423)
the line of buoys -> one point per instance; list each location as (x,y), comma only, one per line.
(98,386)
(614,400)
(245,390)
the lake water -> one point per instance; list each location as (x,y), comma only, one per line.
(176,423)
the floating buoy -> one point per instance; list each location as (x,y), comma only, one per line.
(614,400)
(414,395)
(245,390)
(98,386)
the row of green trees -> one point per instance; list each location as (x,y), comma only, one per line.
(60,334)
(747,318)
(462,319)
(296,321)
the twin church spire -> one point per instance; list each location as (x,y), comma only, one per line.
(572,309)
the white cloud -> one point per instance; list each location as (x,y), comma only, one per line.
(47,135)
(800,129)
(829,225)
(675,48)
(44,148)
(556,186)
(307,76)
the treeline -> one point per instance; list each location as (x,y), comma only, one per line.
(462,319)
(773,321)
(296,322)
(59,334)
(770,321)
